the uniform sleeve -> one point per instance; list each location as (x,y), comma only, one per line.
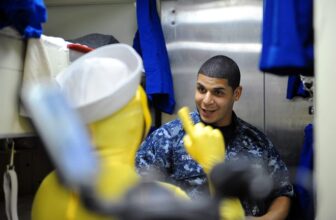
(279,172)
(154,153)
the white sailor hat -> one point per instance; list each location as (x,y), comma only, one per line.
(102,81)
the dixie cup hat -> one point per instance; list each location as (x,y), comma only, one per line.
(102,81)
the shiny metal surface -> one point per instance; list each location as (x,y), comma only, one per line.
(197,30)
(285,119)
(70,22)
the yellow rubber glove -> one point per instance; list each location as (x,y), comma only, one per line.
(203,143)
(206,145)
(231,209)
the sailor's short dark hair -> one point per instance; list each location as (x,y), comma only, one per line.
(223,67)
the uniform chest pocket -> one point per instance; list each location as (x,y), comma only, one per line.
(186,168)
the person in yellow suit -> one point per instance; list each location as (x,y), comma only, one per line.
(103,86)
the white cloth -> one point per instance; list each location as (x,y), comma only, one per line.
(10,187)
(45,58)
(12,48)
(101,82)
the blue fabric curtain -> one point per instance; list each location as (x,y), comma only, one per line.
(295,88)
(150,44)
(287,37)
(304,182)
(26,16)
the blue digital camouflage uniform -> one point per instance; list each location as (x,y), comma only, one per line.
(164,150)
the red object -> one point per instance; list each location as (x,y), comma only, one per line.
(80,48)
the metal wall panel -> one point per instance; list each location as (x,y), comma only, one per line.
(285,119)
(196,30)
(73,21)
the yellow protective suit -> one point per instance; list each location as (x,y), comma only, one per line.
(116,139)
